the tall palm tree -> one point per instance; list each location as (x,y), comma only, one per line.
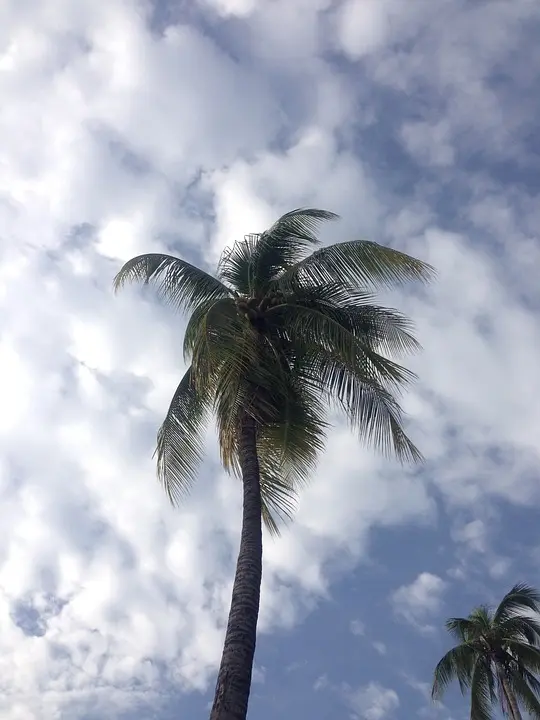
(273,338)
(497,658)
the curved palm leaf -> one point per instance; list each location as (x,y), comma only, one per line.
(360,263)
(179,442)
(518,600)
(319,327)
(382,328)
(521,627)
(235,266)
(252,263)
(286,243)
(456,664)
(179,283)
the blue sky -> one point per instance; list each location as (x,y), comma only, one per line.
(130,127)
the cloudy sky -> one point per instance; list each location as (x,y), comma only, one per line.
(130,126)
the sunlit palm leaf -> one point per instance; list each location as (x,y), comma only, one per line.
(519,599)
(520,627)
(178,283)
(360,263)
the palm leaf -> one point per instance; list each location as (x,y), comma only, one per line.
(521,627)
(319,326)
(383,329)
(482,692)
(180,284)
(456,664)
(527,655)
(525,694)
(235,266)
(179,443)
(463,629)
(482,618)
(278,501)
(372,411)
(360,263)
(518,600)
(286,243)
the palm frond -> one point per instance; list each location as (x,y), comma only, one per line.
(482,692)
(252,263)
(482,617)
(456,664)
(179,443)
(522,628)
(278,501)
(463,629)
(526,655)
(383,329)
(235,264)
(286,243)
(178,283)
(290,446)
(319,326)
(206,321)
(360,263)
(518,600)
(525,694)
(372,411)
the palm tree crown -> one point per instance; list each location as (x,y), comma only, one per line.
(498,656)
(279,333)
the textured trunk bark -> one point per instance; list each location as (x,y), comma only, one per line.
(513,707)
(234,677)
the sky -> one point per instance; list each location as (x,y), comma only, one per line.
(179,126)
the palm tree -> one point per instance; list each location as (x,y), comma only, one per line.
(497,658)
(271,339)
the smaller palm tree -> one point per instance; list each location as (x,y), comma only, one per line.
(498,656)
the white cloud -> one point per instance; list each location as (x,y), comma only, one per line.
(429,144)
(373,702)
(112,145)
(473,535)
(420,600)
(357,627)
(380,647)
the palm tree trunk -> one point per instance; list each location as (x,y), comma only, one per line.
(234,677)
(513,707)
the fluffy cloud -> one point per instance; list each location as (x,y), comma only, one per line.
(373,702)
(119,139)
(419,600)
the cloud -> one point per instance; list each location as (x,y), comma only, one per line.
(119,139)
(357,627)
(380,647)
(473,535)
(373,702)
(420,600)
